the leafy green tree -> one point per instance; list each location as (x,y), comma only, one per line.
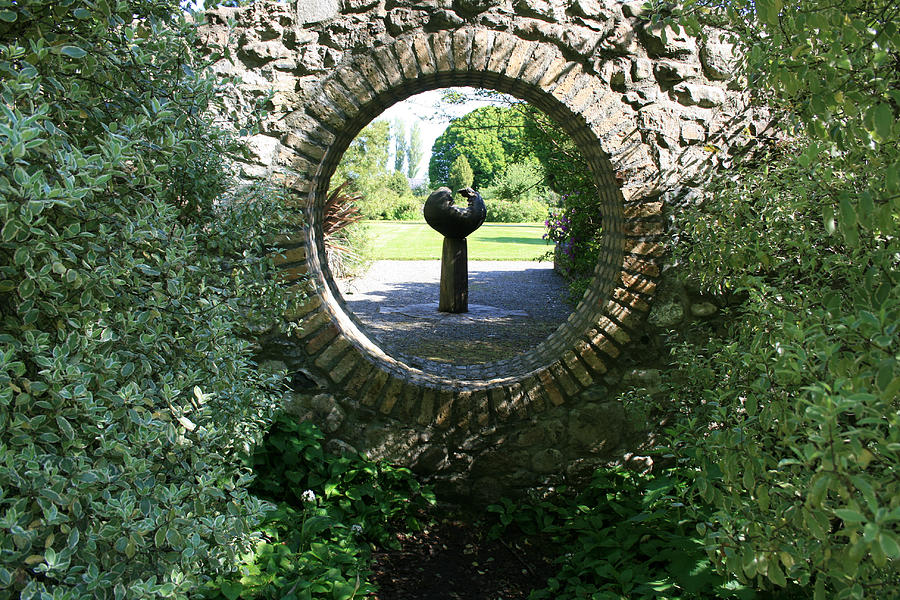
(401,145)
(790,411)
(460,174)
(415,152)
(490,137)
(131,280)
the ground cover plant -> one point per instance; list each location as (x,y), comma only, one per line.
(332,511)
(624,535)
(415,240)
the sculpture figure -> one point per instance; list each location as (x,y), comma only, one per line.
(454,223)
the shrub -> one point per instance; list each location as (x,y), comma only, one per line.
(524,211)
(128,277)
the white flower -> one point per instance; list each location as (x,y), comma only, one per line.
(308,496)
(356,528)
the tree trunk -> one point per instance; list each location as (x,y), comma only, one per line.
(454,277)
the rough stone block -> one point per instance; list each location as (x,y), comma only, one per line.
(321,339)
(577,369)
(331,353)
(568,383)
(462,410)
(422,49)
(705,96)
(443,417)
(345,366)
(376,383)
(462,49)
(637,283)
(360,376)
(504,44)
(587,354)
(427,406)
(408,65)
(518,57)
(371,74)
(389,65)
(389,395)
(442,45)
(315,11)
(550,388)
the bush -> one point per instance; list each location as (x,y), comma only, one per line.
(524,211)
(128,394)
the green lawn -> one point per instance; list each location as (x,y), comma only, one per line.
(415,240)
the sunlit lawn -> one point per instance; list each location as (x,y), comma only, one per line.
(415,240)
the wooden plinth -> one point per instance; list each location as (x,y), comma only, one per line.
(454,277)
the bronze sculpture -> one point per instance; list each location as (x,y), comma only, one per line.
(454,223)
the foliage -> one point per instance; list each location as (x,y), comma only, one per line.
(791,418)
(461,175)
(343,239)
(331,510)
(626,535)
(415,152)
(508,211)
(490,137)
(129,279)
(381,193)
(401,144)
(492,241)
(576,230)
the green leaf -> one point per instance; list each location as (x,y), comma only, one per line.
(8,16)
(850,516)
(73,51)
(884,120)
(889,544)
(231,589)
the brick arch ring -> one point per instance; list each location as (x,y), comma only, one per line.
(472,397)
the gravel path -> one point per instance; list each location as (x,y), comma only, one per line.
(513,305)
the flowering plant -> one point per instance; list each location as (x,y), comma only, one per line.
(575,228)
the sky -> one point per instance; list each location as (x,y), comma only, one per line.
(432,115)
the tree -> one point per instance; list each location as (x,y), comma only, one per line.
(490,137)
(414,151)
(401,145)
(131,276)
(791,419)
(460,174)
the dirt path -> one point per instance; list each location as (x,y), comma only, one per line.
(513,305)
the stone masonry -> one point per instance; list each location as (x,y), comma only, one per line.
(651,111)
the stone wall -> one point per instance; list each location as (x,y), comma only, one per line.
(650,110)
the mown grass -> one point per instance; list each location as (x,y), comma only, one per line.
(415,240)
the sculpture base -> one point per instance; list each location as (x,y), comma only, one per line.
(454,276)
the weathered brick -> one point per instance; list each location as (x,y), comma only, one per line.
(462,49)
(541,59)
(557,67)
(644,267)
(390,395)
(536,398)
(422,49)
(443,417)
(587,354)
(321,338)
(442,43)
(639,284)
(408,404)
(640,228)
(500,52)
(339,95)
(462,409)
(644,210)
(373,389)
(408,65)
(518,57)
(331,353)
(644,248)
(481,405)
(627,298)
(364,77)
(345,366)
(569,385)
(577,369)
(426,407)
(293,255)
(481,45)
(518,401)
(500,403)
(548,385)
(311,324)
(389,65)
(360,377)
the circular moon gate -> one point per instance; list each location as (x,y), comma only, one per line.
(573,357)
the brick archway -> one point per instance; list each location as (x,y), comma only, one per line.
(577,354)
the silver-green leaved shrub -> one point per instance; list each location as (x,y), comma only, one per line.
(129,276)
